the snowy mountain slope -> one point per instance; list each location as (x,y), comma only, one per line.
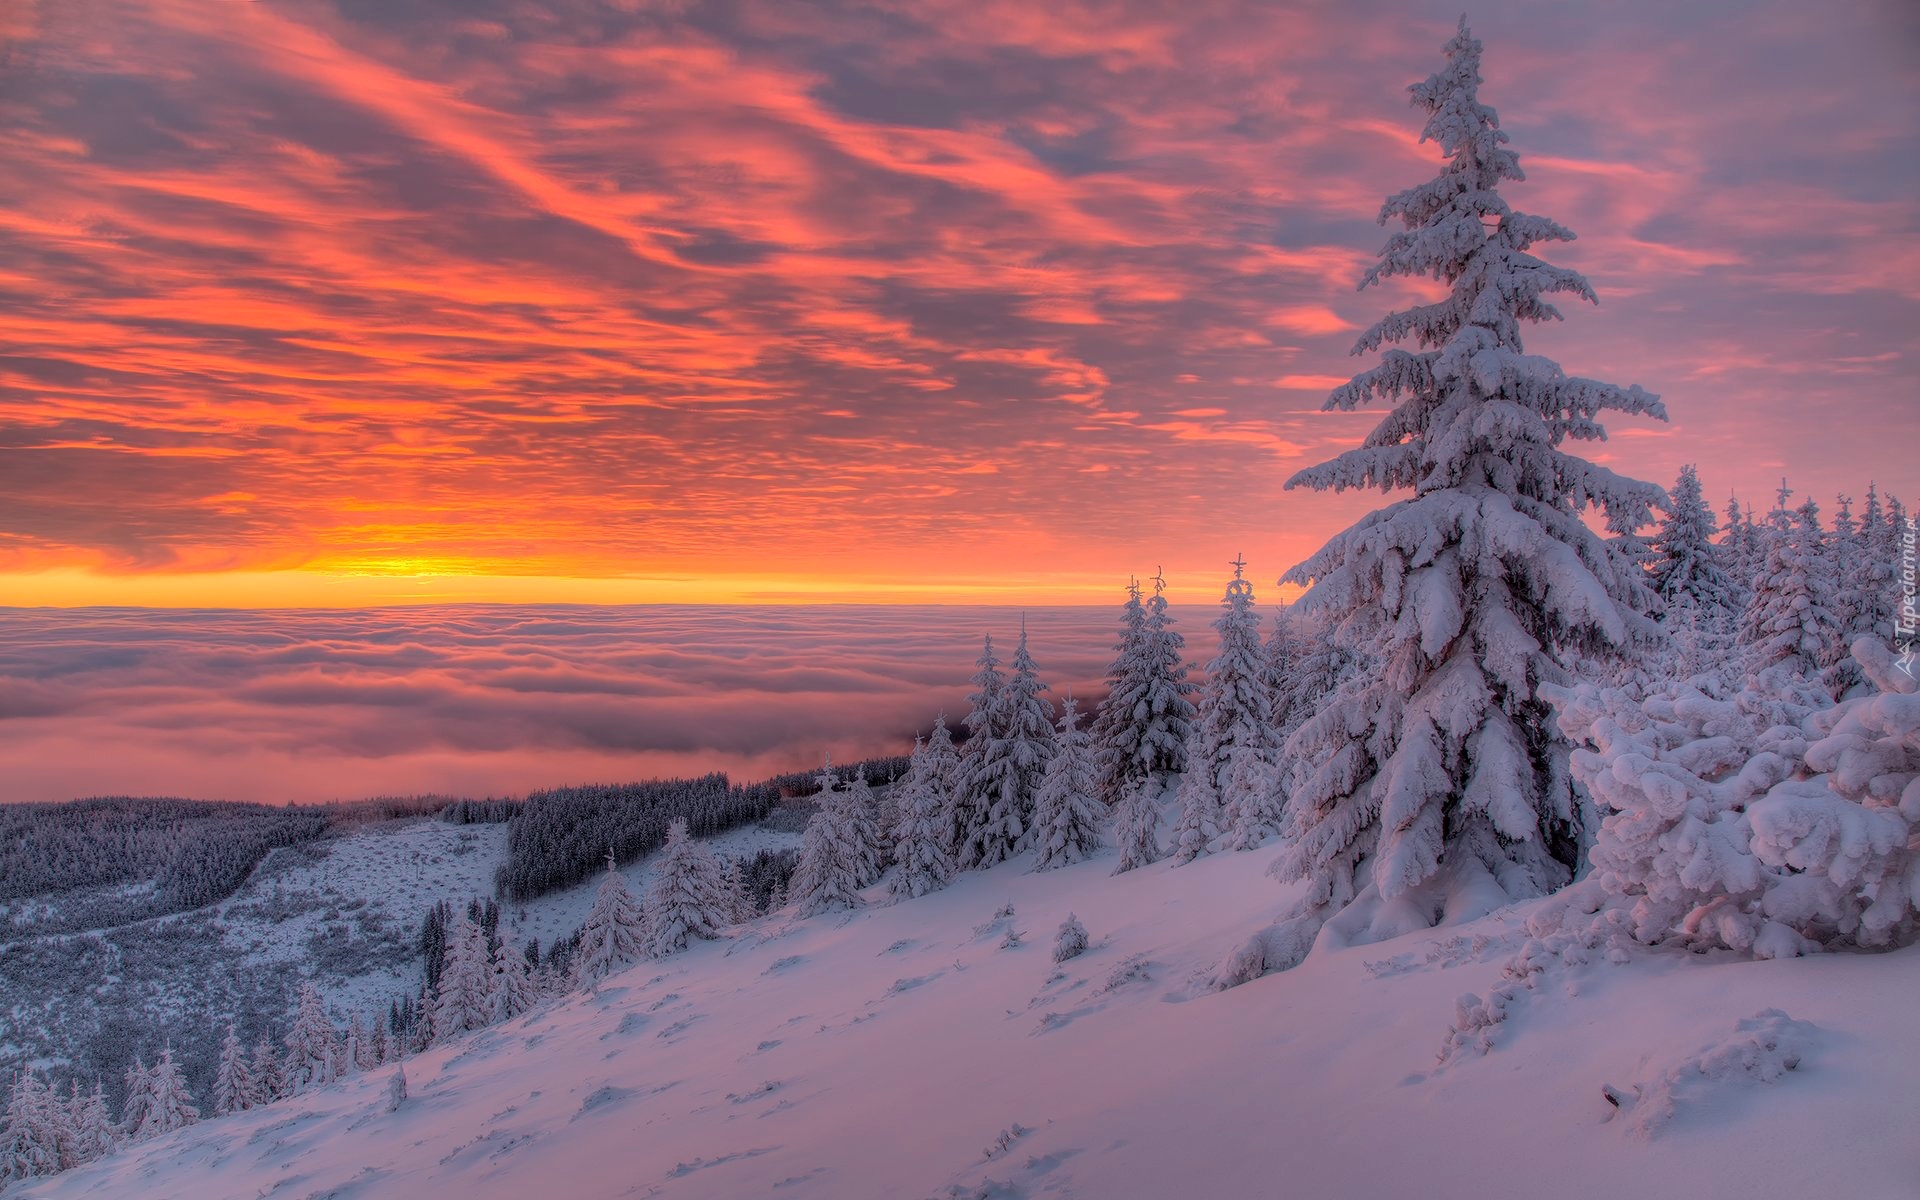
(401,870)
(343,912)
(904,1051)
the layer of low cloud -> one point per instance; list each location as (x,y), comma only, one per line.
(488,700)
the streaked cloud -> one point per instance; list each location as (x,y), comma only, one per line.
(846,294)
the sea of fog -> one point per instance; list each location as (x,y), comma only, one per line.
(280,706)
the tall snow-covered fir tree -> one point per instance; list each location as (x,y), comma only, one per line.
(975,781)
(1788,621)
(859,819)
(1066,816)
(269,1073)
(313,1046)
(233,1086)
(685,899)
(1686,561)
(1441,771)
(1136,827)
(1007,771)
(1235,723)
(169,1106)
(94,1133)
(465,999)
(1198,826)
(137,1098)
(1855,577)
(1872,577)
(832,857)
(1120,721)
(920,847)
(1740,547)
(1689,574)
(943,774)
(511,992)
(614,934)
(1168,696)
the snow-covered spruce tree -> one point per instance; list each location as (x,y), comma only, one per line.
(1686,560)
(68,1116)
(1855,578)
(1702,601)
(919,841)
(171,1107)
(733,885)
(1634,549)
(1872,579)
(353,1048)
(465,999)
(1009,768)
(685,899)
(1740,547)
(1435,785)
(1788,620)
(1197,827)
(512,990)
(94,1133)
(1168,696)
(614,934)
(269,1073)
(1278,657)
(943,775)
(1120,721)
(1136,827)
(312,1043)
(420,1024)
(832,859)
(137,1084)
(1066,817)
(975,780)
(859,820)
(1235,724)
(233,1086)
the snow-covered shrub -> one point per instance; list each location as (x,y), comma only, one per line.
(1767,820)
(1760,1050)
(1071,941)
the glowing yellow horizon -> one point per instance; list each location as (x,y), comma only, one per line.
(390,582)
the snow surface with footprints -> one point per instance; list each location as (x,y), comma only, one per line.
(915,1049)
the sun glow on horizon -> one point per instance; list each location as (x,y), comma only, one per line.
(373,587)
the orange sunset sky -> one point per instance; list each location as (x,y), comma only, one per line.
(341,302)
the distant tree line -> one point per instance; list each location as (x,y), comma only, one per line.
(563,835)
(193,851)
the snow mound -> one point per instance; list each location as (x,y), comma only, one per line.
(1760,1050)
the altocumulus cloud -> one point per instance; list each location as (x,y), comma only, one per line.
(282,706)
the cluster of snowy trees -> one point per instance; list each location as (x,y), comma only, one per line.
(193,851)
(1425,773)
(475,977)
(1760,817)
(45,1132)
(1785,590)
